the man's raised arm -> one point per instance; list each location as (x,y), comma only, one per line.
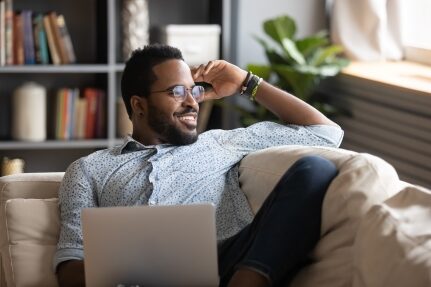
(227,79)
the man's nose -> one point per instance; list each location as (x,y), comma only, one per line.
(190,100)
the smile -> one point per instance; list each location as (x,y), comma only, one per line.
(189,119)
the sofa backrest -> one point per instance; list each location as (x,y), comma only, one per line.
(29,228)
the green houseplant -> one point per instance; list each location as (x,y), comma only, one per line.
(295,65)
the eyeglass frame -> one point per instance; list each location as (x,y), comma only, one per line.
(181,99)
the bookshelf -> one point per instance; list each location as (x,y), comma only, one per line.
(95,30)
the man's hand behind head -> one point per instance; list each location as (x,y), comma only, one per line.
(225,78)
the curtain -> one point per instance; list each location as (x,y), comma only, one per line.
(369,30)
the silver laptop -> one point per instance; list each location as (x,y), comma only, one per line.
(150,246)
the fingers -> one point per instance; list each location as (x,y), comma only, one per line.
(197,72)
(208,67)
(200,72)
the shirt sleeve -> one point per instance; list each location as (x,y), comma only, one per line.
(268,134)
(76,193)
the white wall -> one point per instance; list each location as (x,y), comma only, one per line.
(248,16)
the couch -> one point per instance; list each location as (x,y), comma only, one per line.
(376,229)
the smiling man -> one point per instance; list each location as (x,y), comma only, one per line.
(165,162)
(167,120)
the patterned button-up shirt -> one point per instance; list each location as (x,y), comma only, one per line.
(202,172)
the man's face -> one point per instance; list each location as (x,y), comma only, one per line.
(171,121)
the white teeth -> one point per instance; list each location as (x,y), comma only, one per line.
(187,118)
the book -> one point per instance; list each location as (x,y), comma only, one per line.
(73,95)
(100,124)
(57,38)
(81,112)
(58,113)
(55,57)
(18,39)
(91,96)
(9,24)
(76,111)
(65,39)
(40,41)
(29,57)
(65,119)
(2,34)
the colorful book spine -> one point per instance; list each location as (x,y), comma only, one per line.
(18,39)
(72,112)
(65,40)
(59,114)
(40,41)
(100,125)
(2,33)
(81,118)
(67,116)
(55,57)
(57,38)
(75,125)
(9,38)
(29,57)
(91,95)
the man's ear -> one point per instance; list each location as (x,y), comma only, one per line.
(139,105)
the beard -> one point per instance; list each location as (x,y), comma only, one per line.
(170,133)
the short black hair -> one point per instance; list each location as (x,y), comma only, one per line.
(138,75)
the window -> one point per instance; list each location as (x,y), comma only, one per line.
(416,35)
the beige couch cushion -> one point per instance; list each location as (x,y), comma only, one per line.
(393,244)
(28,228)
(363,181)
(32,228)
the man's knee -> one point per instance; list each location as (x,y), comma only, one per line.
(315,164)
(311,173)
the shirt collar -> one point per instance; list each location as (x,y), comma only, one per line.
(131,145)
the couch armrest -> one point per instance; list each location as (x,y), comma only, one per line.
(30,185)
(37,190)
(362,182)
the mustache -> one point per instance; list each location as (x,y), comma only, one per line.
(186,111)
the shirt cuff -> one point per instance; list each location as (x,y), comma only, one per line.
(332,134)
(65,255)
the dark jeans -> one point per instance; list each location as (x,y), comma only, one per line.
(285,229)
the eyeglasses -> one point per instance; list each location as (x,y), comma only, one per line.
(180,93)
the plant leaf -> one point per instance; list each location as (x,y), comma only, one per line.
(260,70)
(301,83)
(271,54)
(280,28)
(325,54)
(274,58)
(340,62)
(329,70)
(291,50)
(309,44)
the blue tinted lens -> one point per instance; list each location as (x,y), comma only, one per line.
(179,92)
(198,92)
